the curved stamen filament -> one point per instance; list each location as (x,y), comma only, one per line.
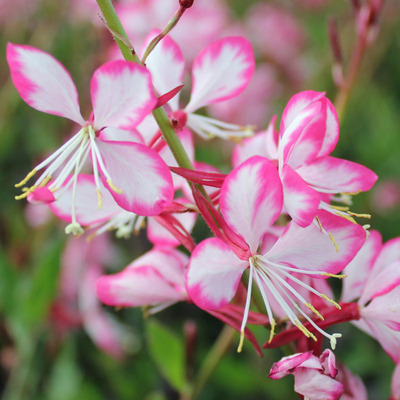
(247,306)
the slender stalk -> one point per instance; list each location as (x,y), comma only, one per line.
(127,50)
(211,361)
(172,22)
(114,25)
(344,92)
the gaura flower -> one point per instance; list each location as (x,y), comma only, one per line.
(122,95)
(314,377)
(250,202)
(220,71)
(374,279)
(309,132)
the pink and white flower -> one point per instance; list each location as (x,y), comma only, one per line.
(314,377)
(220,71)
(375,280)
(251,201)
(309,132)
(122,95)
(155,279)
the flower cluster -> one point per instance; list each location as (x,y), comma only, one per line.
(280,220)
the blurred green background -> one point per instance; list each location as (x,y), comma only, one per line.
(36,362)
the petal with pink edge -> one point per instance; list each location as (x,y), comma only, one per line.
(86,202)
(214,274)
(166,65)
(251,199)
(310,249)
(314,385)
(385,304)
(142,179)
(359,269)
(304,134)
(296,105)
(122,94)
(169,262)
(396,383)
(334,175)
(135,287)
(389,254)
(221,71)
(287,364)
(43,82)
(300,200)
(331,136)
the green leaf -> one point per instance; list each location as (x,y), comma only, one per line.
(168,353)
(43,284)
(8,282)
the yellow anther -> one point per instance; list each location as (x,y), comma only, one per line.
(26,191)
(314,310)
(333,275)
(99,199)
(352,193)
(348,217)
(334,242)
(360,215)
(319,223)
(113,188)
(26,179)
(340,208)
(240,346)
(45,181)
(329,300)
(272,331)
(305,331)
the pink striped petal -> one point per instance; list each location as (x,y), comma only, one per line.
(380,284)
(305,132)
(314,385)
(300,200)
(287,364)
(221,71)
(331,136)
(43,82)
(86,203)
(335,175)
(390,253)
(309,141)
(297,105)
(313,250)
(166,65)
(171,263)
(251,199)
(385,307)
(214,274)
(387,337)
(135,287)
(359,269)
(141,175)
(122,94)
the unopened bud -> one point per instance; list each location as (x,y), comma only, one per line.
(186,3)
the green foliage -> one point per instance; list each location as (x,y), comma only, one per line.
(167,351)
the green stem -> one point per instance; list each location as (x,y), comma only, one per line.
(117,30)
(172,22)
(161,117)
(211,361)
